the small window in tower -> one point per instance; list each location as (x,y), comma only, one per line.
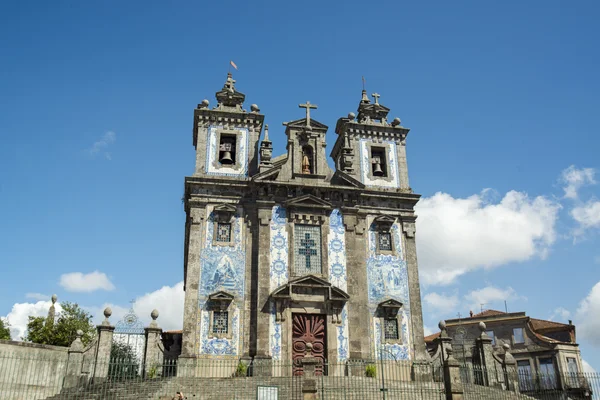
(385,241)
(378,162)
(390,329)
(224,232)
(220,322)
(227,149)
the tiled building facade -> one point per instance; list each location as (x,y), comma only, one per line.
(286,257)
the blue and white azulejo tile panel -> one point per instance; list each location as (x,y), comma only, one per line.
(275,332)
(223,267)
(279,248)
(390,351)
(342,336)
(214,167)
(336,249)
(391,161)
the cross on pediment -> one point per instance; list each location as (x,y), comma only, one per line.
(307,249)
(376,97)
(308,106)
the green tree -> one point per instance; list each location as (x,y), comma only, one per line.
(64,330)
(124,363)
(4,329)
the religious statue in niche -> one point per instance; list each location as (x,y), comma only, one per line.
(307,160)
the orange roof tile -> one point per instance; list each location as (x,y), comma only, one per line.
(488,313)
(543,324)
(432,337)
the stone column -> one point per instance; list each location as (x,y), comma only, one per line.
(485,357)
(153,355)
(421,361)
(509,367)
(105,339)
(75,362)
(359,316)
(452,382)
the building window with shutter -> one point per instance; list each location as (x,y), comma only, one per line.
(223,232)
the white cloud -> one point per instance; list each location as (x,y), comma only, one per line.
(491,297)
(101,145)
(168,300)
(459,235)
(37,296)
(587,368)
(18,316)
(427,330)
(575,178)
(80,282)
(561,313)
(587,215)
(441,303)
(588,323)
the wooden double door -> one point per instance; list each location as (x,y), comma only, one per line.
(309,339)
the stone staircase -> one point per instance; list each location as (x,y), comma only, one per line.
(329,388)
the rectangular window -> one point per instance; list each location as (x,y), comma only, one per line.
(307,249)
(525,378)
(385,241)
(223,232)
(378,162)
(390,329)
(518,335)
(491,335)
(573,378)
(547,374)
(220,321)
(227,148)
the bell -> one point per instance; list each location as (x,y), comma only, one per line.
(377,171)
(226,158)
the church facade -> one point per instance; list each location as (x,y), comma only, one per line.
(285,256)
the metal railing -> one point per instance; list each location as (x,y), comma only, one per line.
(35,377)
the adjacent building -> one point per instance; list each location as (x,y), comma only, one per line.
(546,352)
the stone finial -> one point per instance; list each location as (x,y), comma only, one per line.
(54,298)
(506,347)
(365,98)
(203,104)
(107,314)
(351,115)
(442,325)
(154,316)
(254,108)
(51,311)
(79,333)
(396,122)
(266,139)
(77,344)
(482,326)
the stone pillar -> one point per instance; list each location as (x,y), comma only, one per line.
(309,382)
(358,312)
(75,362)
(192,281)
(485,357)
(509,367)
(421,361)
(452,381)
(153,355)
(105,339)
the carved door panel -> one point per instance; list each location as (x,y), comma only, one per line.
(308,340)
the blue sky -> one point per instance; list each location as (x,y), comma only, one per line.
(96,124)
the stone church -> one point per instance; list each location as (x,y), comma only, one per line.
(285,256)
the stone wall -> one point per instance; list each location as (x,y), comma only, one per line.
(31,371)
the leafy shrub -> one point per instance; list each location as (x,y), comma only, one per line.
(371,371)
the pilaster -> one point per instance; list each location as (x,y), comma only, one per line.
(485,357)
(262,320)
(153,355)
(190,310)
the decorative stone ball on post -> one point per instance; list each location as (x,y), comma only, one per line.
(351,115)
(254,108)
(483,328)
(107,314)
(154,316)
(203,104)
(396,122)
(54,298)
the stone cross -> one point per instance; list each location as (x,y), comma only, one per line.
(308,106)
(376,96)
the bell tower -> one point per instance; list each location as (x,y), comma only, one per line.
(370,149)
(226,136)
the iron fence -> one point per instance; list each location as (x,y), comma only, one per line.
(36,377)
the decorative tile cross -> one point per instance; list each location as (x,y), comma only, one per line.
(307,249)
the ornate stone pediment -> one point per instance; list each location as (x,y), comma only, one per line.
(342,176)
(308,201)
(384,223)
(224,212)
(221,299)
(389,308)
(310,289)
(301,124)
